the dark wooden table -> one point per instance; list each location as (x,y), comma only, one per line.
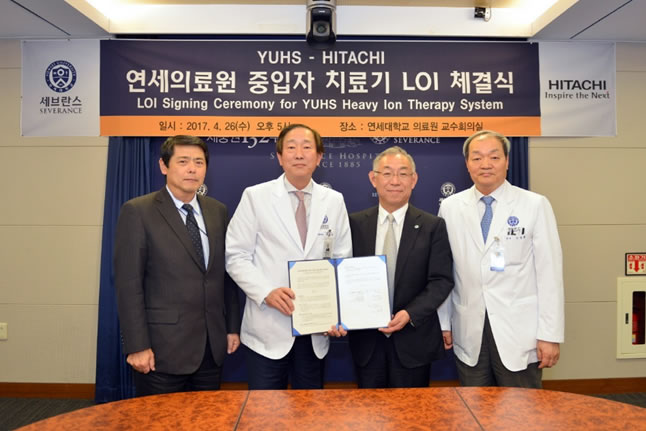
(459,408)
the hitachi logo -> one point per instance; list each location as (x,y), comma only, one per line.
(575,84)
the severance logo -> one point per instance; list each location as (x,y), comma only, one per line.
(60,76)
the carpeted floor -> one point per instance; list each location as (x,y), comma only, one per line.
(636,399)
(17,412)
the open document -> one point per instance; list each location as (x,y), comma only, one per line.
(351,292)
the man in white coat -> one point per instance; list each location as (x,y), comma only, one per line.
(263,235)
(504,317)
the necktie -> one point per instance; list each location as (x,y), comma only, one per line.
(486,218)
(194,231)
(301,218)
(390,250)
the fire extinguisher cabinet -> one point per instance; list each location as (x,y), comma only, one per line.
(631,320)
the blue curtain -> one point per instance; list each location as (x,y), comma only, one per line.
(518,173)
(128,176)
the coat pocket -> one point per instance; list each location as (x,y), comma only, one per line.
(161,316)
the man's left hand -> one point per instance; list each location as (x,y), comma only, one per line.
(336,331)
(548,353)
(397,323)
(233,342)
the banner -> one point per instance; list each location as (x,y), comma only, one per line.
(578,89)
(411,89)
(254,88)
(60,88)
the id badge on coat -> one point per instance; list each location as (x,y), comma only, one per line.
(328,244)
(497,257)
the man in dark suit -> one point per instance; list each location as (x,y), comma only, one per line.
(178,309)
(421,279)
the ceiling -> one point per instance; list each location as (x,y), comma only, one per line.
(614,20)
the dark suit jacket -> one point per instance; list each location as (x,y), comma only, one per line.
(165,296)
(423,280)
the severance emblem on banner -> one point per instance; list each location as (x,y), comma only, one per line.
(60,76)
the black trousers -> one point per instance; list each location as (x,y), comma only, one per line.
(490,371)
(384,369)
(206,378)
(301,364)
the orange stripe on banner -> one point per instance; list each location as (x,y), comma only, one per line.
(327,126)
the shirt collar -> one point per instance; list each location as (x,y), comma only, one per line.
(194,203)
(399,214)
(290,187)
(496,194)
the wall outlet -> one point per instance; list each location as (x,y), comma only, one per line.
(3,331)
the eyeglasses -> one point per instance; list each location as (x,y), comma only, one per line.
(389,175)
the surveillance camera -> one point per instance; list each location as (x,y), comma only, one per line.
(482,13)
(321,23)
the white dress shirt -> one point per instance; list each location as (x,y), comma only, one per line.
(307,199)
(382,227)
(199,218)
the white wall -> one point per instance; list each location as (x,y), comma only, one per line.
(50,235)
(50,239)
(596,188)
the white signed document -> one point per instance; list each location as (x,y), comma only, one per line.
(363,292)
(315,305)
(352,292)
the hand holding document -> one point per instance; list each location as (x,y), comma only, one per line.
(363,292)
(315,306)
(351,292)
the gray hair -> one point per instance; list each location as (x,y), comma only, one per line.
(506,145)
(393,151)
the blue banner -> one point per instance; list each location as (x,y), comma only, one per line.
(358,89)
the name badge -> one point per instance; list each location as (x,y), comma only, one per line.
(498,257)
(328,244)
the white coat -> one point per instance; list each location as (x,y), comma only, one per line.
(525,300)
(261,238)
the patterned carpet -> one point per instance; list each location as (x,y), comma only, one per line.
(636,399)
(17,412)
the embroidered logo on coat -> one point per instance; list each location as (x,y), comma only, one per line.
(512,221)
